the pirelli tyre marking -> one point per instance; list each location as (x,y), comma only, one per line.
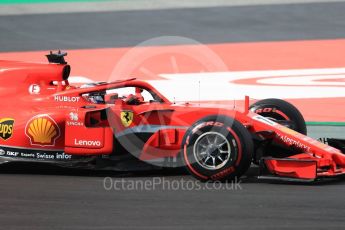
(213,150)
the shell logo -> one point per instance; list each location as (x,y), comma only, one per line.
(42,130)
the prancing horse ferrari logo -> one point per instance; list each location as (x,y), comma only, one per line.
(126,118)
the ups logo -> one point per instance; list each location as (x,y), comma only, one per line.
(6,128)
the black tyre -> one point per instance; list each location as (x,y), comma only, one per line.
(217,148)
(282,112)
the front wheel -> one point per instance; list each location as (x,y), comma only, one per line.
(281,112)
(217,149)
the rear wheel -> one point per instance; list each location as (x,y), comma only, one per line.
(217,149)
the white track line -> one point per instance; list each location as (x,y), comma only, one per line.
(219,86)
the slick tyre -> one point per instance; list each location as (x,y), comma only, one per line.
(282,112)
(217,148)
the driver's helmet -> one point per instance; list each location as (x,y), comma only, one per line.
(97,97)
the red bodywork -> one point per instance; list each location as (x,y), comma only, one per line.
(42,113)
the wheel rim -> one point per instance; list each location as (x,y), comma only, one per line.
(212,150)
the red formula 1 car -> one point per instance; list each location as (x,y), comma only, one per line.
(127,125)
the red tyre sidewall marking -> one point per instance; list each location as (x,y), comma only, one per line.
(189,164)
(273,110)
(239,156)
(222,174)
(226,172)
(282,114)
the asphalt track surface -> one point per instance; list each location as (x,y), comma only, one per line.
(42,197)
(38,196)
(205,25)
(35,196)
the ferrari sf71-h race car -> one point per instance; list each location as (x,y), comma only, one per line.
(128,124)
